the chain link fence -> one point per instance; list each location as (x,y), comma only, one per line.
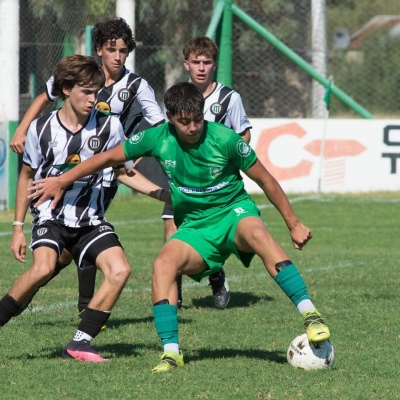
(362,52)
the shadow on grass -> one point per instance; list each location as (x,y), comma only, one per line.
(118,350)
(238,300)
(278,357)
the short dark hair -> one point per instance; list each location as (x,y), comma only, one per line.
(201,46)
(112,29)
(184,98)
(76,70)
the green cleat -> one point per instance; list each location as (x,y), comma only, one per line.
(169,360)
(315,326)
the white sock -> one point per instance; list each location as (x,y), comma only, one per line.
(172,347)
(79,335)
(305,305)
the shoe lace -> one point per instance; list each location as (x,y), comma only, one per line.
(312,318)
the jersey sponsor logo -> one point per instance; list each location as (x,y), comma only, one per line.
(136,138)
(103,107)
(169,163)
(243,148)
(203,190)
(53,143)
(239,211)
(215,171)
(94,143)
(70,162)
(125,95)
(42,231)
(215,108)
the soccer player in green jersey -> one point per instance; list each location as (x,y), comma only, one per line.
(215,215)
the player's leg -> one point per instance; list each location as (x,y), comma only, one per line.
(110,259)
(28,283)
(218,283)
(175,258)
(63,261)
(169,230)
(252,236)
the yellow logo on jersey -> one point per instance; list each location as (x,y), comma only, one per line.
(71,161)
(103,107)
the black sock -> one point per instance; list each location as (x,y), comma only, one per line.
(92,321)
(86,284)
(8,308)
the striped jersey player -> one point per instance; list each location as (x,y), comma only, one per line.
(51,149)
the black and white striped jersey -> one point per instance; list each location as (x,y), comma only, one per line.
(130,99)
(224,105)
(51,149)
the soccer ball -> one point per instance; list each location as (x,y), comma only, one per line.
(308,355)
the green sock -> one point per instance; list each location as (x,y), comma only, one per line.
(166,321)
(291,282)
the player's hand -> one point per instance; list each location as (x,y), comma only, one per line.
(18,244)
(46,188)
(17,144)
(300,235)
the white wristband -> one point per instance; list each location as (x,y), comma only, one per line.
(159,193)
(18,223)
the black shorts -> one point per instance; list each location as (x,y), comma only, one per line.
(85,244)
(168,212)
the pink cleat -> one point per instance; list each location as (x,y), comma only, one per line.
(82,351)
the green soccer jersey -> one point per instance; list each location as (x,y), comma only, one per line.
(203,177)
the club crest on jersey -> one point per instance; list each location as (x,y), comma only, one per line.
(53,143)
(95,143)
(42,231)
(243,148)
(125,95)
(136,138)
(215,171)
(70,162)
(103,107)
(216,108)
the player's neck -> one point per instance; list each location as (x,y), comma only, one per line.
(111,78)
(70,120)
(207,88)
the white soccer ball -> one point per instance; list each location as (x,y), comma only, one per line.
(308,355)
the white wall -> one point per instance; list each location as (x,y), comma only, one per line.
(360,155)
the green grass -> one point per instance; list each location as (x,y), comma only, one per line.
(351,270)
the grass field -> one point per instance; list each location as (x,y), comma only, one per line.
(351,270)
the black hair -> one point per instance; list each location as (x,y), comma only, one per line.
(112,29)
(184,98)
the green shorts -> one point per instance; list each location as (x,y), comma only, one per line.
(213,237)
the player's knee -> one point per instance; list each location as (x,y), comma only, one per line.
(163,265)
(42,272)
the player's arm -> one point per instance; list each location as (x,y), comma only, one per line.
(136,181)
(300,233)
(246,135)
(54,187)
(18,240)
(17,143)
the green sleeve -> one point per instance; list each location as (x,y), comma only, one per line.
(240,153)
(142,144)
